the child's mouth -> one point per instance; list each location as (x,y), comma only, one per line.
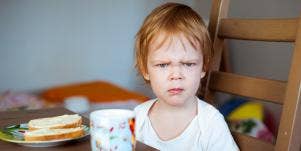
(175,90)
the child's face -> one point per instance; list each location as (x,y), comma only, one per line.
(174,70)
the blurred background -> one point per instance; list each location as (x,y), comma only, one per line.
(53,42)
(80,52)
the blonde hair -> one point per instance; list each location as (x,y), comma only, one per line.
(172,19)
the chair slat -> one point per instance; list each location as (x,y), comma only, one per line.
(279,30)
(263,89)
(248,143)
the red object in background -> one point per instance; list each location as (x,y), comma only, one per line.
(269,121)
(95,91)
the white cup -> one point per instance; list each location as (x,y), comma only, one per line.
(112,129)
(77,104)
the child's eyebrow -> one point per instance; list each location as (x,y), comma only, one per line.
(181,61)
(159,60)
(190,60)
(185,60)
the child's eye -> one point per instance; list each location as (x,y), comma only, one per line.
(189,64)
(162,65)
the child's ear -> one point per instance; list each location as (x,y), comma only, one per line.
(203,74)
(146,76)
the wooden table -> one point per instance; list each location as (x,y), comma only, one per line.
(17,117)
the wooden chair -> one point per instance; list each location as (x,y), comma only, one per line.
(285,93)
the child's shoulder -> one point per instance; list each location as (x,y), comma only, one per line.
(208,112)
(144,107)
(141,112)
(206,107)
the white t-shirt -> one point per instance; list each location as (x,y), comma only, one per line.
(208,131)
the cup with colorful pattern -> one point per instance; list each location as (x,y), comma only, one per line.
(112,130)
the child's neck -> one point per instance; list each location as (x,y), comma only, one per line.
(190,106)
(164,117)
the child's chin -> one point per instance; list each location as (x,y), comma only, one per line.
(176,102)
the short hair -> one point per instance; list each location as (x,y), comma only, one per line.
(172,19)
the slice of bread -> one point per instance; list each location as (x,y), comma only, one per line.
(53,134)
(57,122)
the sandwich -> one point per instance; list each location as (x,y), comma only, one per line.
(46,134)
(54,128)
(63,121)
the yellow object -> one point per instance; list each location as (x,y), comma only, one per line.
(247,111)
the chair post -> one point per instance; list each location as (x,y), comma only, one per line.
(219,10)
(289,134)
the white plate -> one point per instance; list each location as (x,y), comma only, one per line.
(15,134)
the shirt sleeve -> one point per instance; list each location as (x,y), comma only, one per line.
(219,137)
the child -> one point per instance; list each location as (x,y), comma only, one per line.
(172,54)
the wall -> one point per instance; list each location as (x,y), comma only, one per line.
(53,42)
(266,59)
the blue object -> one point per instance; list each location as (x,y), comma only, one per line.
(230,105)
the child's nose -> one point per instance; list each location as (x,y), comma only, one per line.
(176,77)
(176,74)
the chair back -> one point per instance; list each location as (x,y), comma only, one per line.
(285,93)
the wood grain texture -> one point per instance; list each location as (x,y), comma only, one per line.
(280,92)
(278,30)
(17,117)
(289,135)
(262,89)
(248,143)
(219,10)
